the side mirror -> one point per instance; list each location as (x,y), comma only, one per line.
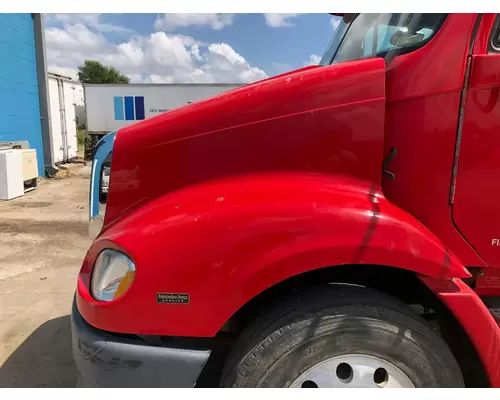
(104,186)
(404,38)
(104,180)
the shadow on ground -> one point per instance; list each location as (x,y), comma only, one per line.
(44,359)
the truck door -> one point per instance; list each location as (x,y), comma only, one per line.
(476,195)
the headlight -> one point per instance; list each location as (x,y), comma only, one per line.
(113,275)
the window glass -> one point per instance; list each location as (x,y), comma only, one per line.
(495,37)
(362,36)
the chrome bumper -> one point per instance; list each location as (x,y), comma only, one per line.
(103,149)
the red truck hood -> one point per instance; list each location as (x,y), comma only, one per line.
(321,119)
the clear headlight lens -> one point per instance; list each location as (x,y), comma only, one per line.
(113,275)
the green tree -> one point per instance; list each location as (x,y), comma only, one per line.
(94,72)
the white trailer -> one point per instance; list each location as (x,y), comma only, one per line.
(111,107)
(63,105)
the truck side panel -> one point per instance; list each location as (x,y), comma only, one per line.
(476,209)
(423,102)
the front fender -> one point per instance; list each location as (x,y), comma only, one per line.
(226,241)
(479,324)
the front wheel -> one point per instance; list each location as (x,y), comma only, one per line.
(345,337)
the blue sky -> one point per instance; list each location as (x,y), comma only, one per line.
(188,47)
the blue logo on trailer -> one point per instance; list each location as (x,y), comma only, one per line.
(129,108)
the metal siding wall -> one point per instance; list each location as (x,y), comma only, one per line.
(19,107)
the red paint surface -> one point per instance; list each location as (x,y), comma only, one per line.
(479,324)
(318,119)
(488,284)
(225,241)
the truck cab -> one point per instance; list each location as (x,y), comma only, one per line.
(333,226)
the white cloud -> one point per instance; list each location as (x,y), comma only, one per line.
(159,57)
(279,20)
(195,52)
(169,22)
(74,38)
(90,20)
(225,54)
(135,78)
(224,64)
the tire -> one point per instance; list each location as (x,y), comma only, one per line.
(334,323)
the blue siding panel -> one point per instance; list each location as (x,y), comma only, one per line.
(139,108)
(19,107)
(129,108)
(119,116)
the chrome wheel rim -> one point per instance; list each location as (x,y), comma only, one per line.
(353,371)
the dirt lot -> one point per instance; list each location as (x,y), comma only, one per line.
(43,239)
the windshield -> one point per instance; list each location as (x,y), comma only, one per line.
(360,36)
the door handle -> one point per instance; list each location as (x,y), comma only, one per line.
(392,153)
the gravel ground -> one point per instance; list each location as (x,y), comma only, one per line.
(43,239)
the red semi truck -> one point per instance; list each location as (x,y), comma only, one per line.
(334,226)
